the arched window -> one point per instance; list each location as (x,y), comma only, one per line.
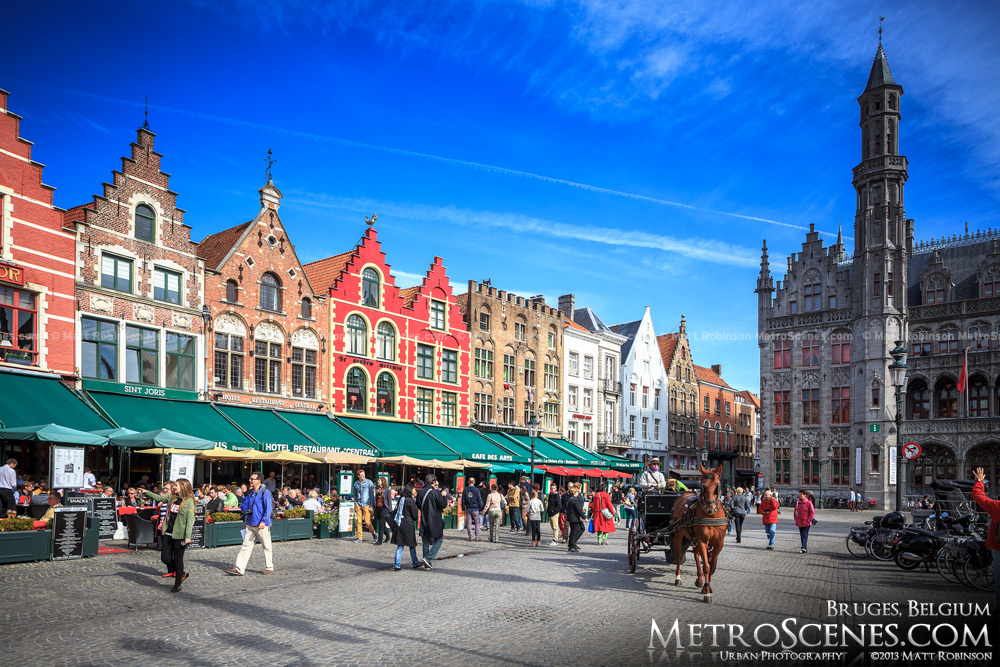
(707,429)
(385,400)
(357,336)
(232,291)
(307,308)
(947,399)
(979,336)
(370,283)
(728,435)
(876,394)
(892,101)
(386,341)
(145,223)
(357,390)
(920,400)
(890,137)
(270,293)
(979,397)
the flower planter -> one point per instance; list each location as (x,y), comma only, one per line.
(450,521)
(278,530)
(25,545)
(322,531)
(299,529)
(224,533)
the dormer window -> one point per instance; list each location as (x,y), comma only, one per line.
(145,221)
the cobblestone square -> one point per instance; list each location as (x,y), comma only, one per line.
(333,602)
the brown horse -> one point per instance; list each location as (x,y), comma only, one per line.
(707,529)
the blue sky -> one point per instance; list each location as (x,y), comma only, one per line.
(632,153)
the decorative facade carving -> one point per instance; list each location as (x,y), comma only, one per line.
(270,332)
(143,313)
(101,304)
(226,323)
(305,338)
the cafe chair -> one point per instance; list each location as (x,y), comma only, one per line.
(140,531)
(37,511)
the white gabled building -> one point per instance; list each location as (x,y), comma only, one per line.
(581,391)
(644,389)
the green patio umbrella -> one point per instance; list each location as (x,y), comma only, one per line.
(53,433)
(161,439)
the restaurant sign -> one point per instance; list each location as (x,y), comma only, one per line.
(479,456)
(140,390)
(9,273)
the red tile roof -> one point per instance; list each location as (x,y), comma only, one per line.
(214,247)
(667,343)
(409,295)
(708,375)
(573,325)
(323,272)
(751,398)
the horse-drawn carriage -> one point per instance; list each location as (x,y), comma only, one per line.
(672,521)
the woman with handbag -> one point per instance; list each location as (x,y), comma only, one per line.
(768,508)
(178,526)
(805,517)
(604,516)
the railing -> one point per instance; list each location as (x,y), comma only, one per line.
(610,386)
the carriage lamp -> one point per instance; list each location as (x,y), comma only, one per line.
(704,455)
(533,433)
(897,370)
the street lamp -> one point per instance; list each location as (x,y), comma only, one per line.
(533,433)
(704,454)
(898,370)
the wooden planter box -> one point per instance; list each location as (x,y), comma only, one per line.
(283,530)
(25,545)
(450,521)
(322,531)
(223,533)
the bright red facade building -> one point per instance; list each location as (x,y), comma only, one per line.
(394,353)
(37,286)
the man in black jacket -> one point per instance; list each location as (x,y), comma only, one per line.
(554,509)
(575,516)
(431,504)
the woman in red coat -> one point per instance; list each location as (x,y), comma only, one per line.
(805,517)
(768,507)
(991,507)
(604,514)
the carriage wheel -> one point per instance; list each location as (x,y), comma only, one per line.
(633,552)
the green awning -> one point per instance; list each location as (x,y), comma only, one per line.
(545,452)
(587,458)
(330,436)
(470,444)
(621,463)
(53,433)
(28,400)
(399,439)
(195,418)
(267,428)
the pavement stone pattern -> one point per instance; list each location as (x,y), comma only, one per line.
(334,602)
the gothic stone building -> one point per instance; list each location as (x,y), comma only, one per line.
(826,330)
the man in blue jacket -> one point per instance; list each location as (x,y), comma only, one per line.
(472,501)
(364,505)
(257,507)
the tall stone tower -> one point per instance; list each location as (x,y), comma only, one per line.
(883,240)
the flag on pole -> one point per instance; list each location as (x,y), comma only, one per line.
(965,371)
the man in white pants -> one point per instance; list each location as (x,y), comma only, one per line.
(257,505)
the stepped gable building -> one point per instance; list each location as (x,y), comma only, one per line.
(517,345)
(717,401)
(682,386)
(644,380)
(747,406)
(37,286)
(610,435)
(826,331)
(139,284)
(397,354)
(268,326)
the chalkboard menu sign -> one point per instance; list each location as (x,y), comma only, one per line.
(77,499)
(107,517)
(198,531)
(68,527)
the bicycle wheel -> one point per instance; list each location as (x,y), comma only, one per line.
(945,562)
(880,550)
(855,548)
(905,563)
(979,576)
(959,570)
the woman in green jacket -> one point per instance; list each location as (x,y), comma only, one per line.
(178,526)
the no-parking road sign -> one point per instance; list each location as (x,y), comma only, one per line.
(911,450)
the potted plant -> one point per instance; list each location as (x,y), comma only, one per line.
(20,542)
(326,524)
(21,357)
(298,524)
(224,529)
(450,514)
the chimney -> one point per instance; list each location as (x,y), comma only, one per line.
(717,369)
(567,305)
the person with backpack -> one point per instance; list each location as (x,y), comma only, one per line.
(258,504)
(472,501)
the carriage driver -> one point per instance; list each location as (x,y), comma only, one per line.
(651,477)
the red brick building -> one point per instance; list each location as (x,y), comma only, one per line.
(37,293)
(139,284)
(395,353)
(268,326)
(717,415)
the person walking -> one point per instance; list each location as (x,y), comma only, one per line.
(493,509)
(740,507)
(383,508)
(403,518)
(768,508)
(8,484)
(727,502)
(178,526)
(575,517)
(473,504)
(257,507)
(166,546)
(514,506)
(602,510)
(534,509)
(805,517)
(991,507)
(554,509)
(431,504)
(616,500)
(364,505)
(628,505)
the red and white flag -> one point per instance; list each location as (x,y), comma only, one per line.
(965,371)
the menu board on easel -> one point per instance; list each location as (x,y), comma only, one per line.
(198,530)
(107,517)
(68,526)
(66,467)
(182,467)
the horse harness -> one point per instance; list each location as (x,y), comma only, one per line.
(688,518)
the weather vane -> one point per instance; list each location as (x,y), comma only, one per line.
(880,19)
(270,162)
(145,123)
(371,221)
